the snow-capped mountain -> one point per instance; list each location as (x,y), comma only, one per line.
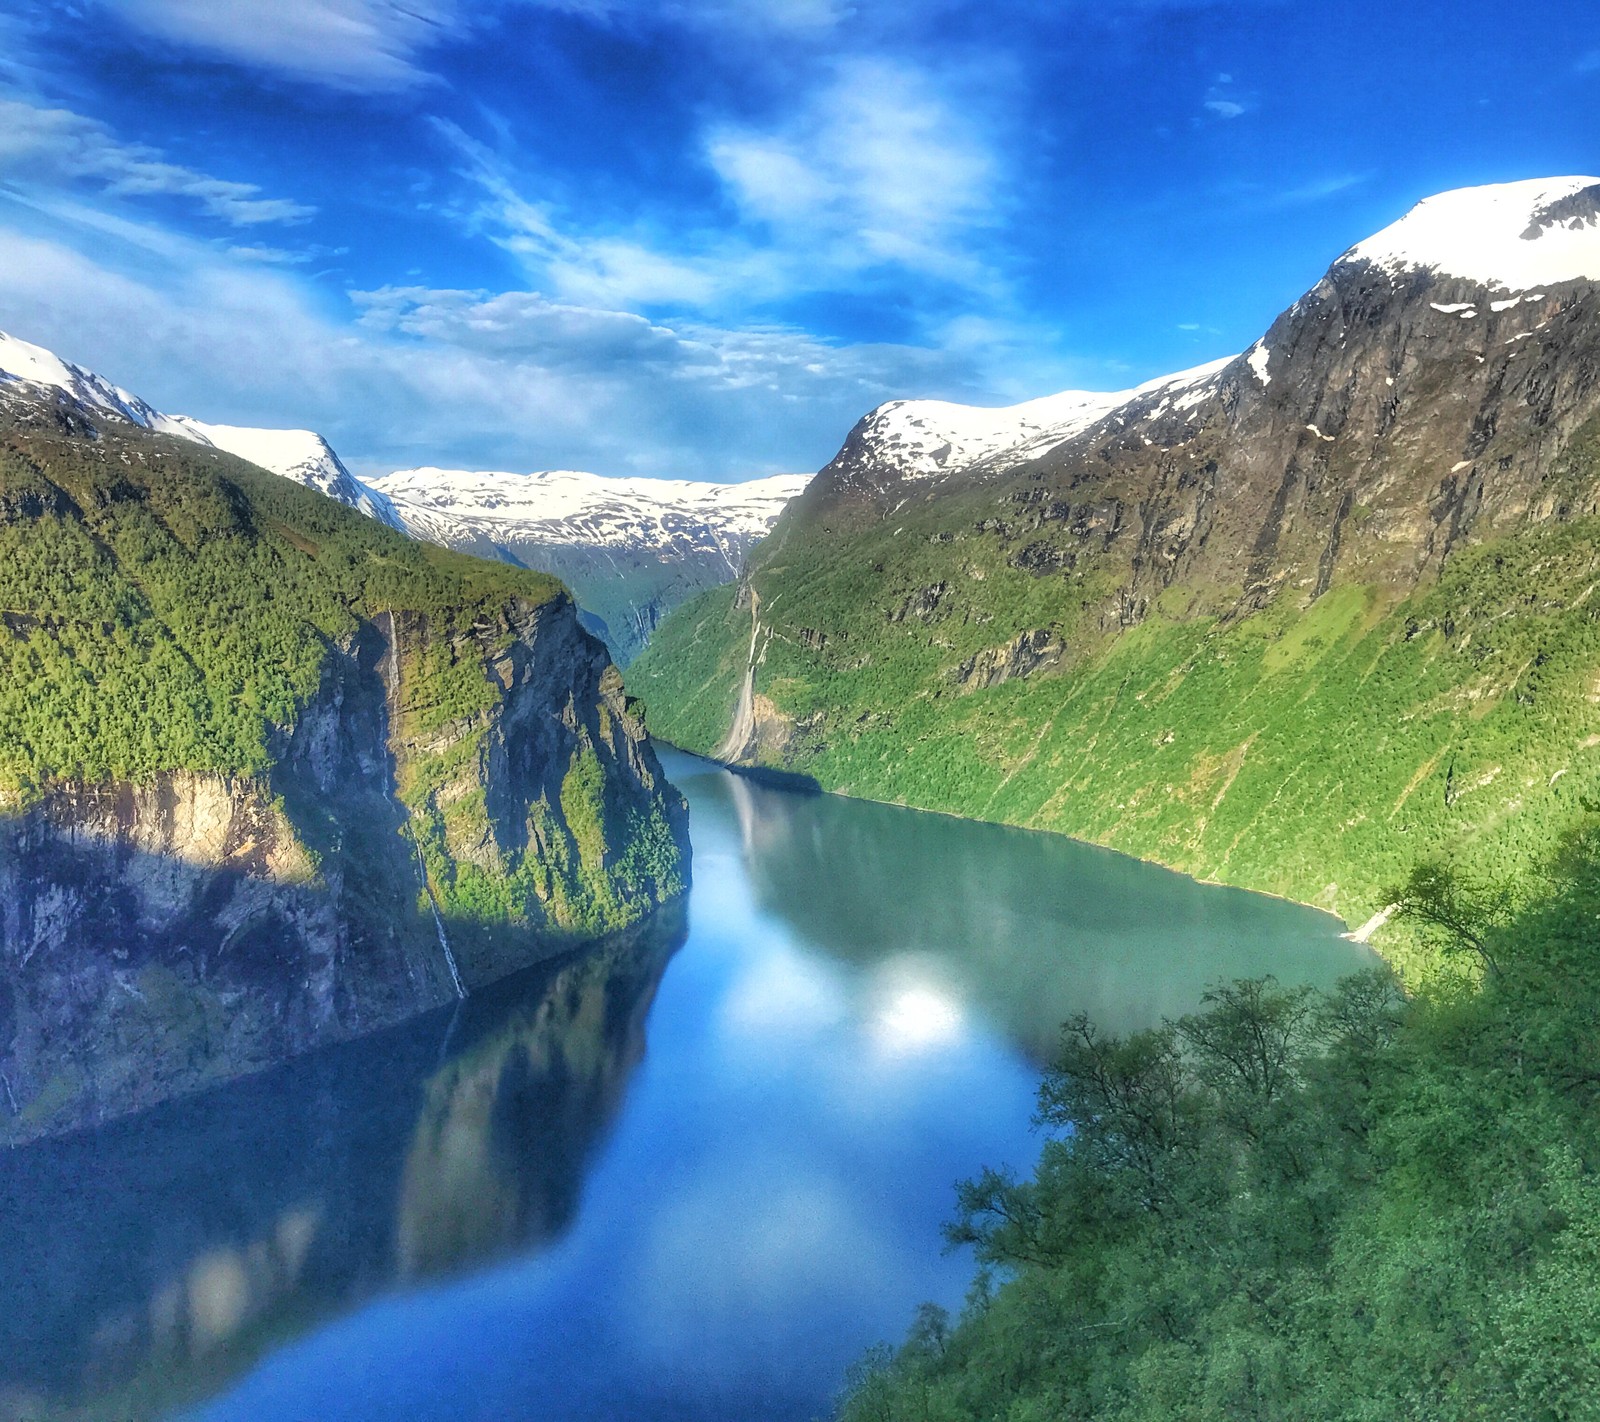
(301,455)
(1508,240)
(630,549)
(926,438)
(1510,237)
(1411,403)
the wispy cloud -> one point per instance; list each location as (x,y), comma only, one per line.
(1320,189)
(878,162)
(505,380)
(352,44)
(382,45)
(284,256)
(1588,63)
(874,168)
(1224,101)
(44,146)
(586,265)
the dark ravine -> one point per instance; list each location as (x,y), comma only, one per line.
(169,929)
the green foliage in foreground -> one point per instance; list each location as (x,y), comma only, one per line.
(1314,751)
(1288,1206)
(166,608)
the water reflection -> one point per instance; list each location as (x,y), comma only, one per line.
(147,1261)
(949,916)
(392,1228)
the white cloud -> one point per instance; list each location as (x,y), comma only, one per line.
(597,268)
(378,45)
(54,146)
(792,16)
(877,167)
(879,162)
(354,44)
(470,379)
(1320,189)
(1223,101)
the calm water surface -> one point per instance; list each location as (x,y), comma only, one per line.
(691,1175)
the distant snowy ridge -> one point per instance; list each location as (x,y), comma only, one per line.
(301,455)
(565,506)
(630,549)
(926,438)
(1510,236)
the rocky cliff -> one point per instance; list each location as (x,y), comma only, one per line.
(271,775)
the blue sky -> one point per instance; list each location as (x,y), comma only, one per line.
(702,237)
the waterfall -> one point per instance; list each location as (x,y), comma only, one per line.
(743,730)
(438,918)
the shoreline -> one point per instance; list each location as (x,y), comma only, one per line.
(774,779)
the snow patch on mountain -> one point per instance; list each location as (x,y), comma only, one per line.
(22,363)
(1510,236)
(923,439)
(301,455)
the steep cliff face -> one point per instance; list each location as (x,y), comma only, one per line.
(1292,620)
(272,776)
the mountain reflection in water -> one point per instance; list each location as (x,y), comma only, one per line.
(148,1261)
(465,1221)
(954,916)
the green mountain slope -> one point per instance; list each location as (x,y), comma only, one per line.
(1295,632)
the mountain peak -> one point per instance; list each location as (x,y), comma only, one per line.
(22,363)
(923,439)
(1510,236)
(301,455)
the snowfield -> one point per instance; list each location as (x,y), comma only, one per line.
(1509,236)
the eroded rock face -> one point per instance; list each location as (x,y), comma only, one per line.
(1024,654)
(161,936)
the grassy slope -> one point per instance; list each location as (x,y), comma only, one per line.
(1316,753)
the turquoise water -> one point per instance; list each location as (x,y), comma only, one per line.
(692,1174)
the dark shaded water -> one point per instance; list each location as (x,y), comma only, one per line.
(517,1211)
